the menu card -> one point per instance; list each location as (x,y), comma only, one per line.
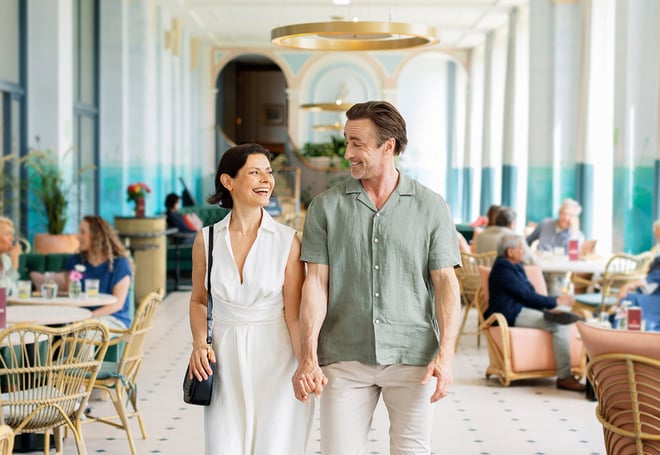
(3,308)
(634,318)
(573,250)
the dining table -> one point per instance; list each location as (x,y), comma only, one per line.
(82,300)
(46,314)
(562,264)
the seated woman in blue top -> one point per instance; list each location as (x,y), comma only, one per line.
(512,294)
(105,258)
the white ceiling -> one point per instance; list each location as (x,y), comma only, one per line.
(461,24)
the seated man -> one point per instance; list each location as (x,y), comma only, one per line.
(511,294)
(553,233)
(176,220)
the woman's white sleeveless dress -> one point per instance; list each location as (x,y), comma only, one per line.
(254,410)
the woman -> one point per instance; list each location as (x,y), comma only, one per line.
(511,294)
(256,283)
(176,220)
(104,257)
(9,251)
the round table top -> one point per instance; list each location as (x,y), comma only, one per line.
(595,298)
(46,314)
(61,301)
(561,264)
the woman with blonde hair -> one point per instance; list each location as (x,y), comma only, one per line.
(104,257)
(9,251)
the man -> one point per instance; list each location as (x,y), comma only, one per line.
(380,305)
(511,294)
(504,224)
(552,234)
(556,233)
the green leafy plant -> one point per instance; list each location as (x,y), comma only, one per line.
(336,148)
(49,188)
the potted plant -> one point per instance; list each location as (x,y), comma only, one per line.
(49,191)
(326,154)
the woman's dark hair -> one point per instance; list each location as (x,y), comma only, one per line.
(492,213)
(171,200)
(231,162)
(388,120)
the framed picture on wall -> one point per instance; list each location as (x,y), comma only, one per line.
(273,114)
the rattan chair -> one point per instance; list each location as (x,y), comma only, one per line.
(47,375)
(119,378)
(469,280)
(620,269)
(6,440)
(624,368)
(517,353)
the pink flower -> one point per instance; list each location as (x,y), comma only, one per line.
(75,275)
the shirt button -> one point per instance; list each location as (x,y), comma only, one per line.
(376,267)
(377,294)
(375,240)
(376,322)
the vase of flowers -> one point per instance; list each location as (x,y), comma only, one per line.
(136,193)
(75,277)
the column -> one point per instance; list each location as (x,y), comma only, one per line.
(635,125)
(595,118)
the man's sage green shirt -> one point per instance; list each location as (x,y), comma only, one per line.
(381,302)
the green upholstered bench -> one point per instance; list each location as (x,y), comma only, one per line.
(179,257)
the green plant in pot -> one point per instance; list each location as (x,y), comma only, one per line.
(333,150)
(49,192)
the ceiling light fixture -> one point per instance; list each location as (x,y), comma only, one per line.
(353,36)
(337,106)
(329,127)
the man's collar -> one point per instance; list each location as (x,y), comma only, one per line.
(404,186)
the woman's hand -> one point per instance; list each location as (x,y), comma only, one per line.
(200,362)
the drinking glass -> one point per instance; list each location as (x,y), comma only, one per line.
(24,289)
(91,287)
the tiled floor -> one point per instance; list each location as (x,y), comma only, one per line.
(478,417)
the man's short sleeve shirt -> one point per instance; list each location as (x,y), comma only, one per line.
(381,301)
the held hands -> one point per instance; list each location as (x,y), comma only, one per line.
(441,369)
(200,362)
(308,379)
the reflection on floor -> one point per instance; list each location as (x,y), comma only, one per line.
(478,417)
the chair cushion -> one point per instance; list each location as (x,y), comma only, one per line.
(598,340)
(531,349)
(38,279)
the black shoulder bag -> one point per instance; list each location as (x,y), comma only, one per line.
(195,391)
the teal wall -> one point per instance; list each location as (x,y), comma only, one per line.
(632,206)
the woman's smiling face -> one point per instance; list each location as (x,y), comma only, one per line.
(254,182)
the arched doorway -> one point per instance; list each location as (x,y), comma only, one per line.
(251,104)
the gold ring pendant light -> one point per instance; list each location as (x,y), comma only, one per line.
(353,36)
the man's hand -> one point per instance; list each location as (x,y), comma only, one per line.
(441,369)
(308,379)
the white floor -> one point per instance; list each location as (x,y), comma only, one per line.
(479,416)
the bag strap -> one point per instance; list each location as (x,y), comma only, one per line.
(209,297)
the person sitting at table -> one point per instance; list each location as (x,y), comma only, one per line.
(553,233)
(512,294)
(490,216)
(504,224)
(177,220)
(105,258)
(9,251)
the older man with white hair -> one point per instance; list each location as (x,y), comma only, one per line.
(552,233)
